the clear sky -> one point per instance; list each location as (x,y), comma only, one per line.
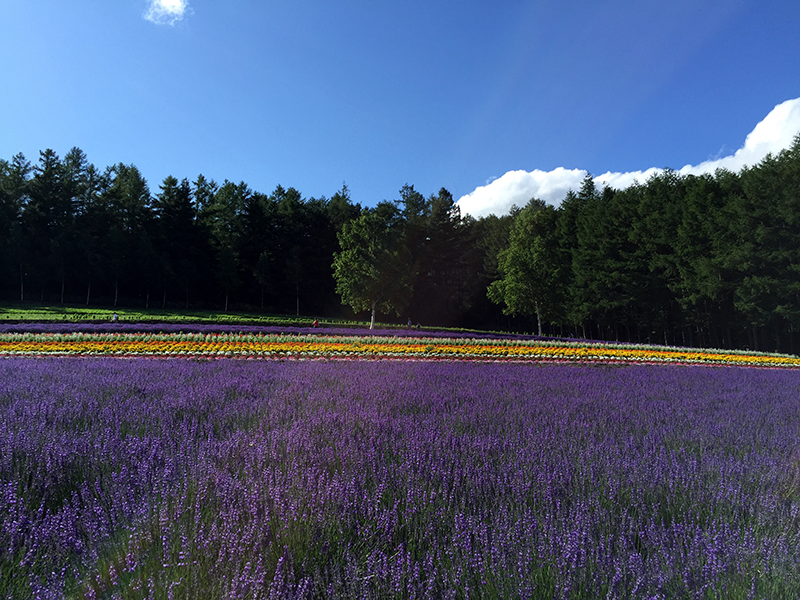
(493,100)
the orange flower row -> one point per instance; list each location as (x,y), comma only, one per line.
(260,346)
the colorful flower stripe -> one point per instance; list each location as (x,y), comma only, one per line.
(273,346)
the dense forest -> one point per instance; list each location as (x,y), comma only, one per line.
(72,233)
(706,260)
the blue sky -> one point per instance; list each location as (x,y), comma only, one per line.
(494,101)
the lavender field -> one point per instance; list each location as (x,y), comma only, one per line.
(270,479)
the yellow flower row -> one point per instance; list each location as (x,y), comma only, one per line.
(277,346)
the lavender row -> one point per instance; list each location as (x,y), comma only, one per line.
(140,479)
(118,327)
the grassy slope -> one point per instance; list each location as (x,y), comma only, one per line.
(60,313)
(70,313)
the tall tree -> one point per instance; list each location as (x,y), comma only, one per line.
(444,276)
(132,259)
(585,207)
(531,281)
(180,238)
(320,242)
(653,231)
(767,230)
(222,217)
(567,229)
(292,244)
(46,219)
(341,210)
(372,270)
(701,248)
(14,178)
(259,243)
(99,245)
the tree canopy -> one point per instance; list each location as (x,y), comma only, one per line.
(702,260)
(373,269)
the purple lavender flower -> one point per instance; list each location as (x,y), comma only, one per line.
(123,478)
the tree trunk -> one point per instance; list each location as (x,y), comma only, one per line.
(21,285)
(538,319)
(372,318)
(88,292)
(116,291)
(297,295)
(226,300)
(147,298)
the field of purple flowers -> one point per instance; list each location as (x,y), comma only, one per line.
(236,479)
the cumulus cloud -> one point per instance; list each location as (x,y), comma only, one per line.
(517,187)
(775,133)
(166,12)
(771,135)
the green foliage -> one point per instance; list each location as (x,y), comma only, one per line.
(698,260)
(372,270)
(706,260)
(532,267)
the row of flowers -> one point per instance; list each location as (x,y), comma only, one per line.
(280,346)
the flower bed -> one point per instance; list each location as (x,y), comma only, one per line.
(317,346)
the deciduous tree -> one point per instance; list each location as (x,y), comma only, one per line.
(372,270)
(531,281)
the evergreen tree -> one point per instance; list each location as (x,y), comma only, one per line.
(221,216)
(180,241)
(341,210)
(443,278)
(132,262)
(14,177)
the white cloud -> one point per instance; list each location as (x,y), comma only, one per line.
(166,12)
(771,135)
(517,187)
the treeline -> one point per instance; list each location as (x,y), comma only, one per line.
(708,260)
(71,233)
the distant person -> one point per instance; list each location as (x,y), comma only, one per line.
(315,324)
(114,318)
(409,322)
